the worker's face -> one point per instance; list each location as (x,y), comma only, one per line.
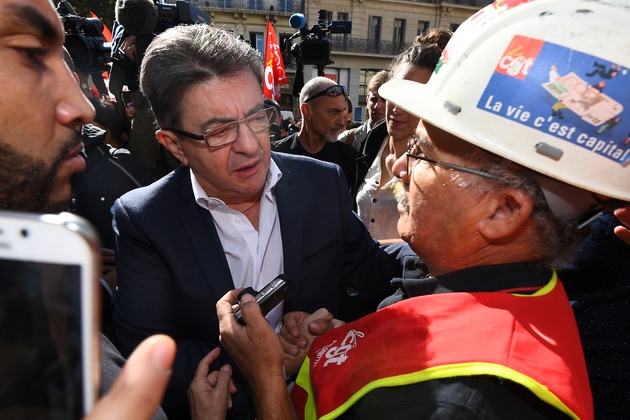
(434,203)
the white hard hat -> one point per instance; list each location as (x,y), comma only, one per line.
(545,84)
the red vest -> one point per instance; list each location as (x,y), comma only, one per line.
(532,340)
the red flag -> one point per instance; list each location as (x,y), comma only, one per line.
(108,37)
(275,75)
(106,32)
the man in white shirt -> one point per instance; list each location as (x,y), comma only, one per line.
(233,215)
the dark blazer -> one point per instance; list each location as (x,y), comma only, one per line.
(172,268)
(337,152)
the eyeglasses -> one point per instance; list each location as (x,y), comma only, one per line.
(414,150)
(333,91)
(228,133)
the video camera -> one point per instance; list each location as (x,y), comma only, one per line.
(314,48)
(85,42)
(169,15)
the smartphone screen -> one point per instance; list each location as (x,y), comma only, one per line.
(40,341)
(47,339)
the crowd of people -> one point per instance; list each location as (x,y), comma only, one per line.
(439,253)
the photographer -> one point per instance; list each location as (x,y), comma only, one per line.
(85,42)
(134,17)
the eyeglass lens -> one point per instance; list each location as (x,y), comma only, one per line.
(334,91)
(227,133)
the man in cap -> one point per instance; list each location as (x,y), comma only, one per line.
(323,104)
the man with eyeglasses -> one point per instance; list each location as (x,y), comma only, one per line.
(234,215)
(323,105)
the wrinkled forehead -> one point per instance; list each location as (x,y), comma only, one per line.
(435,140)
(330,102)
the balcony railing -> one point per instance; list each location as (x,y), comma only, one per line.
(294,6)
(474,3)
(361,45)
(279,6)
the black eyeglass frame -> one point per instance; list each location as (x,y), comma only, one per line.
(334,91)
(202,137)
(444,164)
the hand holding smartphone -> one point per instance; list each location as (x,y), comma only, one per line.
(269,297)
(49,315)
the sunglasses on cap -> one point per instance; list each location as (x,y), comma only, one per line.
(334,91)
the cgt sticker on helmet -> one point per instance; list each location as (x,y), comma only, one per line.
(573,96)
(474,23)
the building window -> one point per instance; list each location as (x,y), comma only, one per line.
(365,75)
(256,40)
(374,34)
(285,5)
(423,26)
(399,35)
(340,41)
(255,4)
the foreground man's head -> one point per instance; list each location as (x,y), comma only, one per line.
(42,109)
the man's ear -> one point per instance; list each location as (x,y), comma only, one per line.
(506,212)
(172,143)
(306,112)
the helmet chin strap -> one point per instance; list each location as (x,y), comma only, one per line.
(565,201)
(569,202)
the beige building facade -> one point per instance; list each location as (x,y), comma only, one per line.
(380,29)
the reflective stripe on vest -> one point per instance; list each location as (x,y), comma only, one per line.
(528,339)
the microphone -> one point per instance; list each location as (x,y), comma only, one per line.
(297,21)
(137,15)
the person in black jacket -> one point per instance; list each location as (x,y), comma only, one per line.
(109,173)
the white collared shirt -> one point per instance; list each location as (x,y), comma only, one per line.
(376,204)
(255,257)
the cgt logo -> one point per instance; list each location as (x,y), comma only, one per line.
(339,354)
(519,57)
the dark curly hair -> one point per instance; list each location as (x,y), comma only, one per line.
(425,51)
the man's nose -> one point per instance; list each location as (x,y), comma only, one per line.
(400,168)
(246,139)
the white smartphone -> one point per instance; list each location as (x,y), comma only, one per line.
(49,316)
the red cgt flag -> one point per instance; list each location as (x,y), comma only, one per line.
(275,75)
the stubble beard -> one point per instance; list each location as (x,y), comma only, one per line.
(331,137)
(401,195)
(26,183)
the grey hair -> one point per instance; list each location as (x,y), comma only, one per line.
(183,57)
(314,86)
(556,241)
